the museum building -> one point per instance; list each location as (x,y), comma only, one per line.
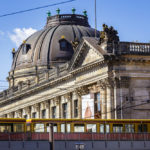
(69,70)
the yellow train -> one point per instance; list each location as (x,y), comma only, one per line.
(76,125)
(90,125)
(12,125)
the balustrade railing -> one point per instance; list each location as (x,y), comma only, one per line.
(134,48)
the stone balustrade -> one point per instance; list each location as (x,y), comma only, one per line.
(134,48)
(23,86)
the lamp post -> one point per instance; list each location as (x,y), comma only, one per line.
(51,136)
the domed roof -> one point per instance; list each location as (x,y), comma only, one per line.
(53,43)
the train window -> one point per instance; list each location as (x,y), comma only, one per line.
(142,128)
(68,128)
(101,128)
(129,128)
(55,128)
(91,127)
(107,128)
(18,127)
(47,128)
(39,127)
(117,128)
(79,128)
(63,128)
(6,127)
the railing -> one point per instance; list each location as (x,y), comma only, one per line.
(134,48)
(75,136)
(67,19)
(52,74)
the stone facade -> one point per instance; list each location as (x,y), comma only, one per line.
(118,71)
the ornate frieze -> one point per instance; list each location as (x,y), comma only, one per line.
(82,90)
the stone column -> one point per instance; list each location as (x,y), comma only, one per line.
(15,114)
(37,108)
(68,99)
(47,104)
(20,113)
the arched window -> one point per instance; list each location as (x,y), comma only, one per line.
(63,45)
(26,48)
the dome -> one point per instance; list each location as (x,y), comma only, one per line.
(52,45)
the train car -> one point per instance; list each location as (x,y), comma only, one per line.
(12,125)
(90,125)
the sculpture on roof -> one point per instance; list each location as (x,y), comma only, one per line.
(108,35)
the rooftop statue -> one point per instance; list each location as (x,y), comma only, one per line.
(108,35)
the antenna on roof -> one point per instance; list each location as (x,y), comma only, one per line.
(95,20)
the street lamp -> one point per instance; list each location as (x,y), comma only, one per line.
(79,146)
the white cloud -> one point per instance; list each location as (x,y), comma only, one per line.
(19,34)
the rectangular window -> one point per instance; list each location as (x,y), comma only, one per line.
(79,128)
(117,128)
(68,128)
(34,115)
(102,128)
(75,108)
(18,127)
(142,128)
(129,128)
(63,128)
(54,112)
(107,128)
(39,127)
(43,113)
(64,106)
(47,128)
(4,127)
(55,128)
(91,127)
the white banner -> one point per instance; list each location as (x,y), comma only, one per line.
(88,106)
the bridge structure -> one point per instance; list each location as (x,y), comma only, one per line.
(73,141)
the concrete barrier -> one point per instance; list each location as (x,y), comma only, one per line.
(71,145)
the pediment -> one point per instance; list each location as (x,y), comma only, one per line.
(91,56)
(85,55)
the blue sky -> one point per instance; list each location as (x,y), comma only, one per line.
(129,17)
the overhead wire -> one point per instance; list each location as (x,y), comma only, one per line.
(36,8)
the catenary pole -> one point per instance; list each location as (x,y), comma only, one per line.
(95,19)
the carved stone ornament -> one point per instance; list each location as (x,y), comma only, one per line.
(108,35)
(108,82)
(101,84)
(47,104)
(68,96)
(75,43)
(28,109)
(82,90)
(56,100)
